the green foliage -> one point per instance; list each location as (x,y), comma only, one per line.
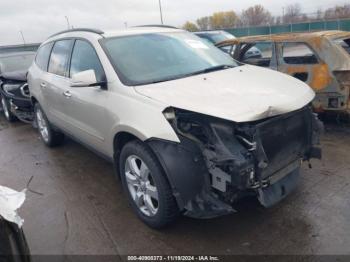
(189,26)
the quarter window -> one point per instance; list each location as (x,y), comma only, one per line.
(84,58)
(42,57)
(60,57)
(298,53)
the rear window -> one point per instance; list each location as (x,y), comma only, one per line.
(298,54)
(344,43)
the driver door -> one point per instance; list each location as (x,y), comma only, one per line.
(85,109)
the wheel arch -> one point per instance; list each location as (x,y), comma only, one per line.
(120,139)
(124,137)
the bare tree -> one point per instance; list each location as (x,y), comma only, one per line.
(203,23)
(338,12)
(278,20)
(256,15)
(319,14)
(293,13)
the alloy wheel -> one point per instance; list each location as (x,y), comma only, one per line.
(42,125)
(141,186)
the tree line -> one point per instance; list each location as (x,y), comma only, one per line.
(258,15)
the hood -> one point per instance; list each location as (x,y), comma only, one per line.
(241,94)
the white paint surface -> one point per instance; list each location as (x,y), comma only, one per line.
(10,201)
(242,94)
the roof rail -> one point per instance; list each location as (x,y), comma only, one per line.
(163,26)
(90,30)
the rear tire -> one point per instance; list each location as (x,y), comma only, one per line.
(49,136)
(10,117)
(146,186)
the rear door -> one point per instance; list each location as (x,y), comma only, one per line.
(57,82)
(300,61)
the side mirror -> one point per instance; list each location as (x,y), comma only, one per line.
(84,79)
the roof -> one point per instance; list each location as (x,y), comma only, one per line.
(140,30)
(17,53)
(210,32)
(289,37)
(127,31)
(19,48)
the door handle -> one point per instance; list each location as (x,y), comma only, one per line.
(43,85)
(67,94)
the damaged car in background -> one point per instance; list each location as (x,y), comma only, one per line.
(190,131)
(320,59)
(14,91)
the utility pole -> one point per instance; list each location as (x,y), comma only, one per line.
(282,15)
(68,25)
(160,10)
(24,42)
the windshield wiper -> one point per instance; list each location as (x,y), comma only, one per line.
(210,69)
(204,71)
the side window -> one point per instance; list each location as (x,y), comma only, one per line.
(344,43)
(60,57)
(259,54)
(42,57)
(230,49)
(298,54)
(84,57)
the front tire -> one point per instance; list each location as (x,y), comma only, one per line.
(7,112)
(148,190)
(49,136)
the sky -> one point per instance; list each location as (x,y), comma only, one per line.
(38,19)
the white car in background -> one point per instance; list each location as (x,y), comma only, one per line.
(188,129)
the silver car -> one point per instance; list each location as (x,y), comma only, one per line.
(188,129)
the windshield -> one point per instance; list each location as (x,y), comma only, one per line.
(12,63)
(150,58)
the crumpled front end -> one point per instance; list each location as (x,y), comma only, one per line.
(220,161)
(16,92)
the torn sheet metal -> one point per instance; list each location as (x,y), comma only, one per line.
(10,201)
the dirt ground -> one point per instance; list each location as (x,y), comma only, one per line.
(84,211)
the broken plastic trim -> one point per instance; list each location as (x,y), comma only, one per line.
(219,161)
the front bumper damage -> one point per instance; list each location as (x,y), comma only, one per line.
(18,96)
(218,161)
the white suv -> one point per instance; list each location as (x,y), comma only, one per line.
(189,129)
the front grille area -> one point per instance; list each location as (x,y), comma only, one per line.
(285,139)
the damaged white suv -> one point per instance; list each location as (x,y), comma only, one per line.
(189,129)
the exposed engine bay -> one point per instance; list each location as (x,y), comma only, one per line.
(259,158)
